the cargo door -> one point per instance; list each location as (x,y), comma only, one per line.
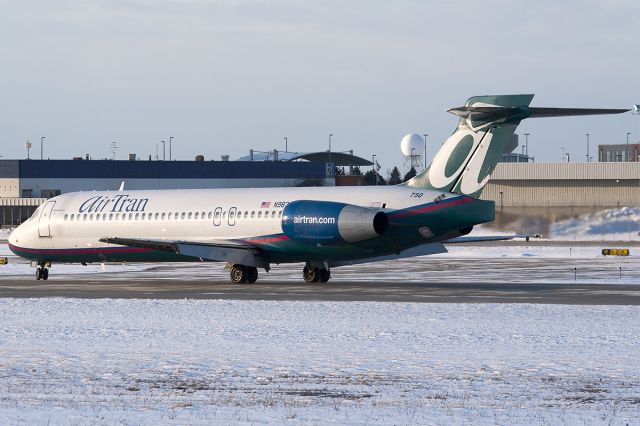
(44,220)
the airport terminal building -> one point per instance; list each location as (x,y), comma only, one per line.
(25,184)
(547,190)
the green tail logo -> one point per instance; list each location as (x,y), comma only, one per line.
(487,123)
(468,157)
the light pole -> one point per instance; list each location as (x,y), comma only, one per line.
(425,150)
(41,149)
(373,168)
(286,145)
(170,139)
(330,135)
(628,133)
(163,151)
(28,146)
(587,146)
(526,143)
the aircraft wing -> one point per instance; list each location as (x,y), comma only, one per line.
(421,250)
(480,239)
(216,250)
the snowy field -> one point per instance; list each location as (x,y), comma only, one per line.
(254,362)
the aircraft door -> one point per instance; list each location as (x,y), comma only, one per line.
(232,216)
(43,222)
(217,216)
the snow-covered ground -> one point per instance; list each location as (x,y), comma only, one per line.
(4,233)
(622,224)
(65,361)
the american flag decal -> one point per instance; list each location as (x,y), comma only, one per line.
(265,204)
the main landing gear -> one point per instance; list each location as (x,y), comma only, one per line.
(42,272)
(241,274)
(312,274)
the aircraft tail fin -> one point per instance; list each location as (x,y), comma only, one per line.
(486,127)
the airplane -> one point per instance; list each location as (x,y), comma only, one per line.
(322,227)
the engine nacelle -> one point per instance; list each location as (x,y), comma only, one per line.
(328,222)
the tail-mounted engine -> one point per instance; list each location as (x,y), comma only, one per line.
(327,222)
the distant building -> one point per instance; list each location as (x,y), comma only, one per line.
(619,153)
(25,184)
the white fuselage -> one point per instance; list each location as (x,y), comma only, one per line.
(80,219)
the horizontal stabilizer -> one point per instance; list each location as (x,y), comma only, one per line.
(495,113)
(568,112)
(481,239)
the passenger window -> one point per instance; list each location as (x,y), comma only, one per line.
(110,216)
(224,215)
(202,215)
(280,213)
(104,216)
(66,217)
(246,214)
(130,216)
(259,214)
(91,216)
(141,217)
(183,215)
(190,214)
(232,214)
(209,215)
(137,215)
(253,214)
(196,215)
(273,214)
(72,217)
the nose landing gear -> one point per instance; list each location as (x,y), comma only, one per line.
(42,272)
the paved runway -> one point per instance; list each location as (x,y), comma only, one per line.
(542,272)
(579,294)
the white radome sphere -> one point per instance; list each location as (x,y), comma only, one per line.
(412,141)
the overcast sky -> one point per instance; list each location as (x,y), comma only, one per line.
(222,77)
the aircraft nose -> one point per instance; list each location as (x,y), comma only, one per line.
(14,236)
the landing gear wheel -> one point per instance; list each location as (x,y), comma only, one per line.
(252,273)
(311,274)
(325,275)
(239,274)
(42,272)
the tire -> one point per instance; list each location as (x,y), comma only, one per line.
(252,274)
(325,275)
(38,274)
(310,274)
(239,274)
(45,274)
